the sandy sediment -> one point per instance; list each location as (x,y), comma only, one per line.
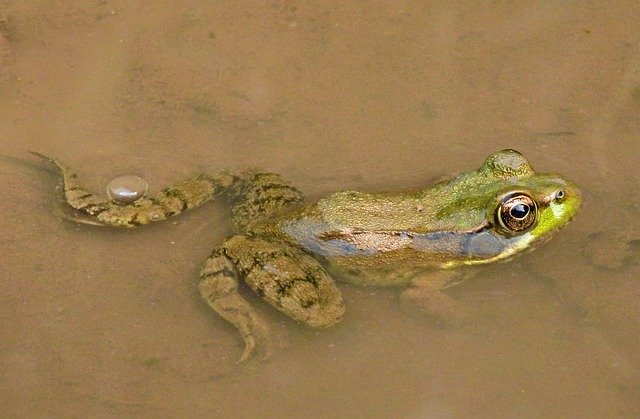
(4,41)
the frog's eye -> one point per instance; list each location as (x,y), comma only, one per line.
(517,212)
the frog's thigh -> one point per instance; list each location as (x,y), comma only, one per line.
(288,279)
(426,296)
(219,288)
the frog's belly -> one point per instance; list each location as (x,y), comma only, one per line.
(384,268)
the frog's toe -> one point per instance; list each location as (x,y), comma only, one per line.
(249,347)
(256,342)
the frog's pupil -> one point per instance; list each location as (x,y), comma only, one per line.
(519,211)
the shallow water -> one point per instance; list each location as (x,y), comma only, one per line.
(105,322)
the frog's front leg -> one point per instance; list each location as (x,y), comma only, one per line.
(427,296)
(286,277)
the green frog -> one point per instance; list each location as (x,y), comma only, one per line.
(288,251)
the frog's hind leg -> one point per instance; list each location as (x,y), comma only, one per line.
(75,195)
(259,196)
(284,276)
(170,201)
(287,278)
(219,288)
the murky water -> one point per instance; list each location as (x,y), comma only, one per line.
(348,95)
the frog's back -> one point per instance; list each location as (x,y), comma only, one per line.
(386,238)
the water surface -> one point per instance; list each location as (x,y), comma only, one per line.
(335,96)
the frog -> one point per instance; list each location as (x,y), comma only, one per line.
(291,251)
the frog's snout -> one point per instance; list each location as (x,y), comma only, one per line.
(573,198)
(565,203)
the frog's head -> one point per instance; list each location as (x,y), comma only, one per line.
(504,207)
(526,206)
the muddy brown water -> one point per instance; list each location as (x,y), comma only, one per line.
(334,95)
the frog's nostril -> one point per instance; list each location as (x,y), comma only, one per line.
(559,195)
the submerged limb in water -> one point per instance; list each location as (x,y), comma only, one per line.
(168,202)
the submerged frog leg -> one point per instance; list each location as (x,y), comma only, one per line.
(168,202)
(287,278)
(219,288)
(284,276)
(426,295)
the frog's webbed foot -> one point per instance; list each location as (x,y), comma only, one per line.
(219,288)
(74,194)
(182,196)
(284,276)
(426,296)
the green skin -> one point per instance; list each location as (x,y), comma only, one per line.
(286,250)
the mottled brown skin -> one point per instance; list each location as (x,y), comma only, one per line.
(167,203)
(283,245)
(285,276)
